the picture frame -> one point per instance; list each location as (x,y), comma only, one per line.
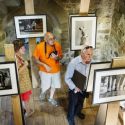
(109,85)
(8,79)
(94,66)
(30,26)
(82,31)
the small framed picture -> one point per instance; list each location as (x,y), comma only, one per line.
(30,26)
(82,31)
(8,78)
(93,67)
(109,85)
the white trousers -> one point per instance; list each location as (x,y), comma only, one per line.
(49,80)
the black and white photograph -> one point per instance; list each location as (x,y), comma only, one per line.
(5,80)
(94,66)
(82,31)
(109,85)
(8,78)
(30,26)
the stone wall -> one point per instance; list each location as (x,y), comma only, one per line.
(117,37)
(104,11)
(110,24)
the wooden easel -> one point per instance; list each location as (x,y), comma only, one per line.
(84,8)
(29,9)
(110,113)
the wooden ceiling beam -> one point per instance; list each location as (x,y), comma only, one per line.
(84,7)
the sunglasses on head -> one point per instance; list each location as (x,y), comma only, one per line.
(87,47)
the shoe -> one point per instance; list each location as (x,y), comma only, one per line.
(53,102)
(81,115)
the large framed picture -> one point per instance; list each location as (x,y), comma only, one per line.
(94,66)
(8,78)
(30,26)
(82,31)
(109,85)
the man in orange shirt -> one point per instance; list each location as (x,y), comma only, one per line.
(47,55)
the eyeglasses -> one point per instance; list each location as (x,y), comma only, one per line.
(51,39)
(87,47)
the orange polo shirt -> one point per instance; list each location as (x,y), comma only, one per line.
(39,53)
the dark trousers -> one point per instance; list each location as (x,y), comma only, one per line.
(75,105)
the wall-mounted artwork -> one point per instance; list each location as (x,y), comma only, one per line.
(8,78)
(30,26)
(82,31)
(109,85)
(95,66)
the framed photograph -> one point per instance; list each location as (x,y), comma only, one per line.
(109,85)
(82,31)
(30,26)
(8,78)
(93,67)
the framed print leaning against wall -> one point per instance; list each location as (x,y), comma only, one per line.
(30,26)
(8,78)
(95,66)
(82,30)
(109,85)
